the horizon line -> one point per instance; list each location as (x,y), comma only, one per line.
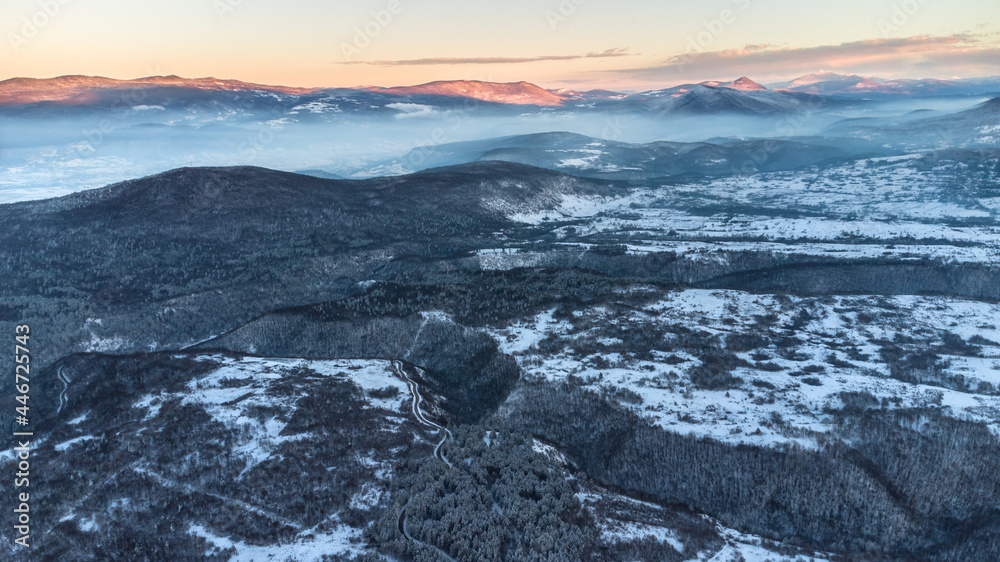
(371,86)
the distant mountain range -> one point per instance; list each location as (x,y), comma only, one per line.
(585,156)
(84,90)
(741,96)
(832,84)
(978,127)
(518,93)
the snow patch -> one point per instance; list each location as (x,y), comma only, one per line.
(67,444)
(307,547)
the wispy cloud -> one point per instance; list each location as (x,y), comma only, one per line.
(923,53)
(610,53)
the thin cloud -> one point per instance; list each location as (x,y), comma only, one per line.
(892,55)
(610,53)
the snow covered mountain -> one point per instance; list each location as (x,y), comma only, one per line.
(833,84)
(742,95)
(976,127)
(518,93)
(743,84)
(83,90)
(592,157)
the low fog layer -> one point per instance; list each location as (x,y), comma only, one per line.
(56,152)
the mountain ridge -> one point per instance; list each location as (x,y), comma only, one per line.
(584,156)
(24,90)
(21,90)
(514,93)
(243,191)
(832,83)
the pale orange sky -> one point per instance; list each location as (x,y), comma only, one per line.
(574,43)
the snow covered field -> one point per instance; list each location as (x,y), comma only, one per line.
(811,352)
(254,399)
(904,207)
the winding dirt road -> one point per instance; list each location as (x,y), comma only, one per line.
(422,418)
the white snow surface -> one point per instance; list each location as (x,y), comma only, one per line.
(306,547)
(881,207)
(236,386)
(746,414)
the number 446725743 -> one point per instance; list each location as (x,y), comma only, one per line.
(23,358)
